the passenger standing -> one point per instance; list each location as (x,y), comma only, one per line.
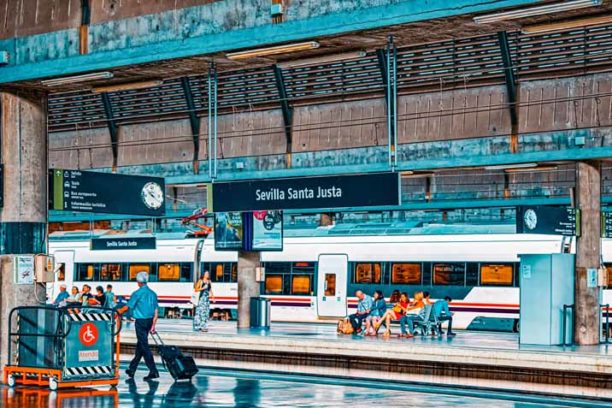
(364,306)
(143,304)
(110,297)
(202,313)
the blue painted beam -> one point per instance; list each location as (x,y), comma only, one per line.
(366,18)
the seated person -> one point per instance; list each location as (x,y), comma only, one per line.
(86,296)
(61,296)
(379,307)
(364,305)
(413,312)
(442,312)
(395,313)
(100,297)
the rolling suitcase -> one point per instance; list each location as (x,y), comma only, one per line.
(179,365)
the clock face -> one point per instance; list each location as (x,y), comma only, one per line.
(152,195)
(530,218)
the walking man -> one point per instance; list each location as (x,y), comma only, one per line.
(143,304)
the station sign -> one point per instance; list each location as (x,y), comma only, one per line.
(88,191)
(548,220)
(105,244)
(363,190)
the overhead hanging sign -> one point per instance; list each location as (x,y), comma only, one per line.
(102,244)
(363,190)
(606,225)
(88,191)
(548,220)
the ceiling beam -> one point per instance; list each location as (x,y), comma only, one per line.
(286,107)
(194,120)
(113,129)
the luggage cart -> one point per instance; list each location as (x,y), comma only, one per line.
(63,347)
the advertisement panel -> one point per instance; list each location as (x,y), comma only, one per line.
(229,230)
(267,230)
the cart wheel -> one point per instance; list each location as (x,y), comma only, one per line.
(52,383)
(11,380)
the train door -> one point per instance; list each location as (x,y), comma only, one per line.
(64,273)
(331,285)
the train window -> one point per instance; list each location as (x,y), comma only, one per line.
(449,274)
(406,273)
(301,285)
(218,273)
(496,275)
(367,273)
(169,272)
(86,272)
(186,275)
(110,272)
(61,273)
(234,273)
(137,268)
(274,284)
(330,284)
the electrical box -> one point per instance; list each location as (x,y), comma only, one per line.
(546,285)
(44,268)
(276,10)
(260,274)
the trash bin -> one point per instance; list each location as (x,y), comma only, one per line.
(260,313)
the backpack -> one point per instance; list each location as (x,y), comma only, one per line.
(344,327)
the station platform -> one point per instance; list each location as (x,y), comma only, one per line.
(483,360)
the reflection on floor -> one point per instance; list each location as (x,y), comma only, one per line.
(240,389)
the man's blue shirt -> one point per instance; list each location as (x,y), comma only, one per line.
(143,303)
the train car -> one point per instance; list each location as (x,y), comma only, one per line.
(314,278)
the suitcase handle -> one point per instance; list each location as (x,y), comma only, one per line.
(156,338)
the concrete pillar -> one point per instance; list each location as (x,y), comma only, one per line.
(23,218)
(247,287)
(587,324)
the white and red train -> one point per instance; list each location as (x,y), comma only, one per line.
(314,278)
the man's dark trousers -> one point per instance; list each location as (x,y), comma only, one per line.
(357,320)
(143,327)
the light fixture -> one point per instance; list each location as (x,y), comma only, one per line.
(512,166)
(77,78)
(536,11)
(127,87)
(406,173)
(538,168)
(279,49)
(322,59)
(581,22)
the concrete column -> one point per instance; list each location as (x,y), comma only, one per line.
(247,287)
(23,219)
(588,251)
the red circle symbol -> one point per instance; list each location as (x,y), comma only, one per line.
(260,215)
(88,334)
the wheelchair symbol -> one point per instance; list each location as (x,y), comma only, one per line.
(88,334)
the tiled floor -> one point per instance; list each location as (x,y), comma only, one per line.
(464,339)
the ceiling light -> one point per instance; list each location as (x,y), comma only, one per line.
(127,87)
(279,49)
(581,22)
(323,59)
(536,11)
(512,166)
(77,78)
(539,168)
(406,173)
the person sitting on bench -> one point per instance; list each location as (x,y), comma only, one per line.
(442,312)
(363,310)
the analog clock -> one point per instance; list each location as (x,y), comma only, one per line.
(530,218)
(152,195)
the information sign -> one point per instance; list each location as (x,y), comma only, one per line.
(24,270)
(101,244)
(606,225)
(548,220)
